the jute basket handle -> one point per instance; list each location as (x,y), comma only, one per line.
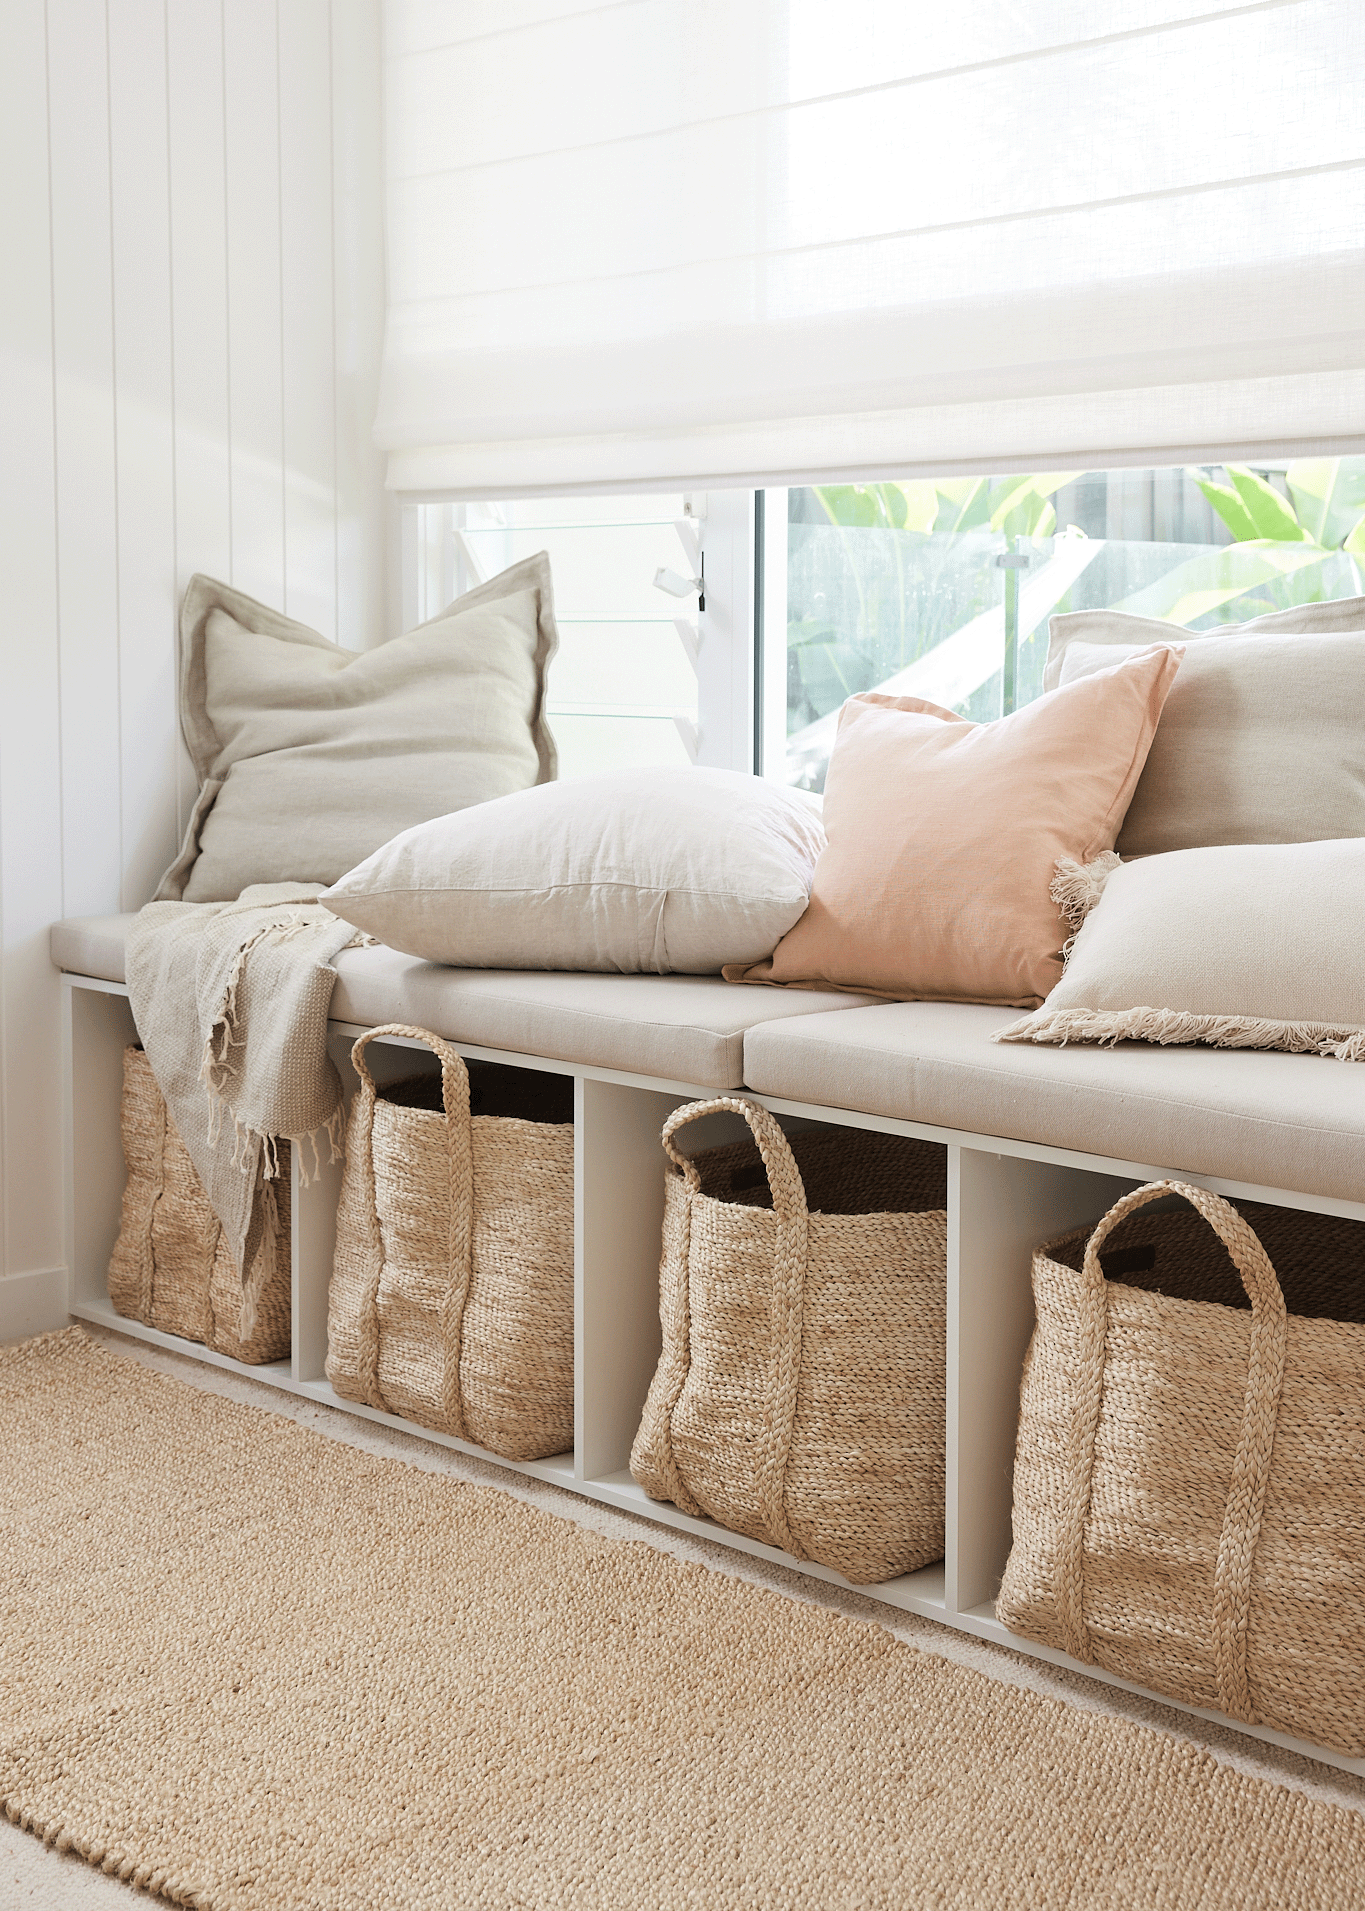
(788,1294)
(460,1243)
(1251,1466)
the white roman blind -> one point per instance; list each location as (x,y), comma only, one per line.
(722,241)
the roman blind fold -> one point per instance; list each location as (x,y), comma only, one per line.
(691,241)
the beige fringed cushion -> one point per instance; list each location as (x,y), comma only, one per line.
(1252,946)
(310,756)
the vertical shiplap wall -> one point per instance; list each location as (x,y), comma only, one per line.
(191,306)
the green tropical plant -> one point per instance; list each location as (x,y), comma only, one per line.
(1252,508)
(1327,508)
(1018,507)
(1303,547)
(1329,496)
(823,665)
(912,506)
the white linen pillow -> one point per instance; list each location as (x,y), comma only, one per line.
(310,756)
(1262,740)
(661,871)
(1256,945)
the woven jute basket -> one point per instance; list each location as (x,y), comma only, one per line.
(799,1396)
(171,1267)
(1189,1486)
(451,1301)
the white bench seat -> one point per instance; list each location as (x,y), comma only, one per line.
(1275,1120)
(680,1028)
(1269,1119)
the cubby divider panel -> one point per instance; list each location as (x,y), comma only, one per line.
(1000,1207)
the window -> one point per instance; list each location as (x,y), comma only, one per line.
(943,588)
(935,588)
(623,687)
(647,673)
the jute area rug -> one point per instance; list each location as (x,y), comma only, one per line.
(248,1667)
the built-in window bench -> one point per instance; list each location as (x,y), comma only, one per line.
(1005,1195)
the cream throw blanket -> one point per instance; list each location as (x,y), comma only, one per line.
(231,1003)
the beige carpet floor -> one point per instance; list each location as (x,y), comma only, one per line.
(251,1666)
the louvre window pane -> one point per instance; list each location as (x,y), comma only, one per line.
(621,675)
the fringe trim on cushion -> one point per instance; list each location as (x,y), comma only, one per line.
(1174,1026)
(1077,887)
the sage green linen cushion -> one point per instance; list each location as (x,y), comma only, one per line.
(310,756)
(688,1029)
(1262,738)
(90,945)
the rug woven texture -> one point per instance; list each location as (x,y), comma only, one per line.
(249,1667)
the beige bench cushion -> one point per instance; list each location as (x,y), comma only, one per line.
(1282,1121)
(684,1028)
(91,945)
(1295,1122)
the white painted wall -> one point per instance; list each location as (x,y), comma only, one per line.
(191,308)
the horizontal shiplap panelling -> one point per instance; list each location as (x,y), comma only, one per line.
(192,311)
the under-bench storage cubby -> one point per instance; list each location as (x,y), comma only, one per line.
(171,1267)
(799,1396)
(1189,1486)
(1003,1198)
(451,1300)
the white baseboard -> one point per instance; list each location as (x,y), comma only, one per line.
(34,1303)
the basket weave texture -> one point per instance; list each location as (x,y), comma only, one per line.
(171,1267)
(799,1396)
(451,1301)
(1189,1487)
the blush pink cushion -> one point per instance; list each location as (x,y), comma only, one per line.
(944,838)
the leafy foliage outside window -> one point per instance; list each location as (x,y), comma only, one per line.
(896,585)
(1325,508)
(938,574)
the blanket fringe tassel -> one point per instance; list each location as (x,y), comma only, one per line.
(219,1043)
